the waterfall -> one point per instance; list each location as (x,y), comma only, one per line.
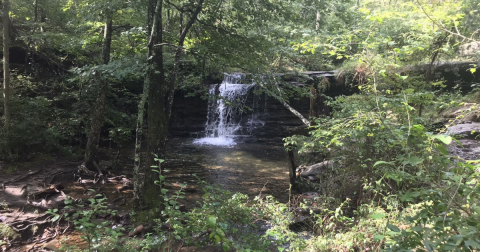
(225,114)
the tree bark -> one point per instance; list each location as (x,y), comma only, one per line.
(36,11)
(286,105)
(178,54)
(6,64)
(283,102)
(314,112)
(140,159)
(147,192)
(99,108)
(293,168)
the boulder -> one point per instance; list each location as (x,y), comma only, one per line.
(467,113)
(470,49)
(313,172)
(467,130)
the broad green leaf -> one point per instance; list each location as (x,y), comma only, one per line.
(211,221)
(444,138)
(410,196)
(377,216)
(393,227)
(378,237)
(413,160)
(55,218)
(217,239)
(442,149)
(225,247)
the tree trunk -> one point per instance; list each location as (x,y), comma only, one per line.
(283,102)
(150,194)
(140,159)
(286,105)
(6,64)
(178,54)
(314,112)
(293,168)
(99,108)
(317,21)
(138,167)
(36,11)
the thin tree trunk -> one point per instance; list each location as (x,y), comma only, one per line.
(36,11)
(178,54)
(152,4)
(296,113)
(6,64)
(293,168)
(138,172)
(314,111)
(317,21)
(150,193)
(99,108)
(284,103)
(139,163)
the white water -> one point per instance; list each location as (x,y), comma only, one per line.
(225,114)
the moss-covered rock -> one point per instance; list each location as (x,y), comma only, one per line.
(7,233)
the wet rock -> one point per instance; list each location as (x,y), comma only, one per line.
(297,130)
(313,172)
(301,226)
(466,149)
(466,130)
(467,113)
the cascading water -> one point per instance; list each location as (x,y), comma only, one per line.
(224,119)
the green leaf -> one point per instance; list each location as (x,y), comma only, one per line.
(381,162)
(55,218)
(472,244)
(211,221)
(220,232)
(442,149)
(413,160)
(378,237)
(409,91)
(217,239)
(445,139)
(393,228)
(225,247)
(409,196)
(377,216)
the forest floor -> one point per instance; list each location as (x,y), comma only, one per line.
(30,189)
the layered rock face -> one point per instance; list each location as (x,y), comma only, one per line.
(264,118)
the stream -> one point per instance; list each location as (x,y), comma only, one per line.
(248,168)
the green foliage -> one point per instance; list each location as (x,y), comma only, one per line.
(389,157)
(88,222)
